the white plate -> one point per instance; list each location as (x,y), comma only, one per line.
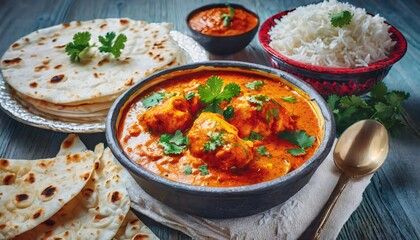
(194,52)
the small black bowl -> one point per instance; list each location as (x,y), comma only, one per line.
(219,202)
(223,45)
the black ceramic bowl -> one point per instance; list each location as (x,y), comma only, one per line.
(217,202)
(222,45)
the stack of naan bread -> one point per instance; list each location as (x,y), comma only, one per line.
(49,84)
(79,194)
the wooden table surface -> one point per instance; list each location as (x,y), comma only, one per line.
(391,203)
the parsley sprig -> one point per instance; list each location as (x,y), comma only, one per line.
(381,105)
(299,138)
(173,144)
(341,18)
(212,93)
(111,46)
(227,17)
(79,46)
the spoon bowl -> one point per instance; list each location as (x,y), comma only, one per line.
(360,150)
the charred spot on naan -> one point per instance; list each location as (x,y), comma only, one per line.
(21,197)
(87,193)
(38,213)
(49,222)
(13,61)
(45,164)
(124,21)
(9,179)
(40,68)
(49,192)
(4,163)
(30,178)
(33,84)
(15,45)
(69,141)
(58,78)
(115,196)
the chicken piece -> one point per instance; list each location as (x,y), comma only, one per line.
(217,143)
(265,119)
(167,117)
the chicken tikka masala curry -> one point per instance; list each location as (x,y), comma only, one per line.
(220,128)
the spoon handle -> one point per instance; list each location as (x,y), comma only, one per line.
(315,228)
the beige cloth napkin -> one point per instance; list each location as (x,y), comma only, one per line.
(286,221)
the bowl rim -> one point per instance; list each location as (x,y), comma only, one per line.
(396,35)
(313,162)
(214,5)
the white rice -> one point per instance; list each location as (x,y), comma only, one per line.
(306,35)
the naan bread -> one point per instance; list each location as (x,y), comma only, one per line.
(98,211)
(31,191)
(134,229)
(38,66)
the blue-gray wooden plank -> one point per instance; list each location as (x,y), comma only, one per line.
(391,204)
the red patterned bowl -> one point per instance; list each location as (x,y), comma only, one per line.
(326,80)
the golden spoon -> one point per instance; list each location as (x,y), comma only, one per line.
(360,150)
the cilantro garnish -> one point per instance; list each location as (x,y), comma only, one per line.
(187,170)
(227,17)
(299,138)
(212,93)
(155,98)
(173,144)
(203,170)
(274,112)
(381,105)
(258,100)
(189,95)
(215,141)
(341,18)
(79,46)
(255,85)
(110,47)
(262,151)
(289,99)
(254,136)
(229,112)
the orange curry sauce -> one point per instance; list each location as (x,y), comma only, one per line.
(210,22)
(142,145)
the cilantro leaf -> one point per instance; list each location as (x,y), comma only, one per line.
(296,151)
(212,93)
(215,141)
(155,98)
(289,99)
(79,46)
(341,18)
(227,17)
(262,151)
(254,136)
(258,100)
(111,46)
(379,91)
(173,144)
(189,96)
(187,170)
(229,112)
(273,112)
(203,170)
(255,85)
(299,138)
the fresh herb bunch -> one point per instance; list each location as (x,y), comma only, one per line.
(341,18)
(155,98)
(227,17)
(380,104)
